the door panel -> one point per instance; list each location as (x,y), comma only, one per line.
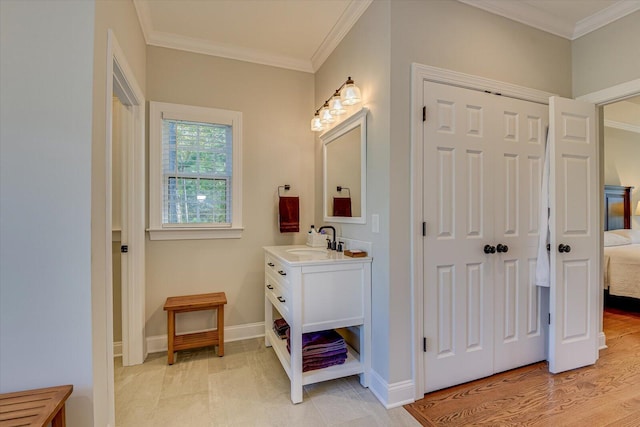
(519,333)
(457,203)
(574,222)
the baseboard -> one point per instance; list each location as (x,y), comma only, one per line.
(158,343)
(117,349)
(392,395)
(602,341)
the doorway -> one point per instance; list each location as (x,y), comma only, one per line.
(602,98)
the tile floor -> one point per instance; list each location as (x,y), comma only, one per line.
(246,387)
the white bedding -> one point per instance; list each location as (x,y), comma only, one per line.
(622,270)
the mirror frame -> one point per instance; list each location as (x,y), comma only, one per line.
(357,119)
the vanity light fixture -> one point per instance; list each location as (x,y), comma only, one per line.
(347,94)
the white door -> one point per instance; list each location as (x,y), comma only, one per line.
(574,224)
(519,334)
(458,291)
(482,168)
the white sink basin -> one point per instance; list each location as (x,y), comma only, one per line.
(307,251)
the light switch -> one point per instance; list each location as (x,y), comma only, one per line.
(375,223)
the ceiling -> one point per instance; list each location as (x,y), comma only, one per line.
(261,31)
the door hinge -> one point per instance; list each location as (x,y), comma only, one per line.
(424,344)
(124,249)
(424,228)
(424,113)
(549,318)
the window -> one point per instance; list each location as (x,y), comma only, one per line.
(195,172)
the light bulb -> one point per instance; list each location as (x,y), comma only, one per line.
(350,94)
(325,114)
(335,105)
(316,125)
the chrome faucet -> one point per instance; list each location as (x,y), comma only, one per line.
(330,244)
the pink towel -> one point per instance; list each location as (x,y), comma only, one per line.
(289,214)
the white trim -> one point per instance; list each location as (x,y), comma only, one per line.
(604,17)
(158,230)
(542,20)
(419,74)
(194,233)
(613,94)
(190,44)
(347,20)
(357,119)
(602,341)
(158,343)
(526,14)
(600,98)
(469,81)
(622,126)
(133,292)
(144,17)
(392,395)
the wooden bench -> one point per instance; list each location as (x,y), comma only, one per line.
(35,407)
(182,304)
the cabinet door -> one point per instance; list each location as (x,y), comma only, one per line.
(574,225)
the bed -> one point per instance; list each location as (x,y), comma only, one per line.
(621,245)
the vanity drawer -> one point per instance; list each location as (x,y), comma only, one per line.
(278,272)
(279,297)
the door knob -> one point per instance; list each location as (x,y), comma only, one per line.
(502,248)
(564,248)
(488,249)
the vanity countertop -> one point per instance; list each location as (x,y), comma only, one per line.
(302,254)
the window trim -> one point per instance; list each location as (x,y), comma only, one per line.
(159,231)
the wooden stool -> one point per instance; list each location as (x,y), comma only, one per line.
(35,407)
(213,301)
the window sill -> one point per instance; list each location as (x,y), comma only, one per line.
(195,233)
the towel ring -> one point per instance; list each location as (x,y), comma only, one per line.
(286,187)
(339,188)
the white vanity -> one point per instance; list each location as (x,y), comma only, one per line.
(315,290)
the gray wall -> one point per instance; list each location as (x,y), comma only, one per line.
(364,55)
(277,150)
(607,56)
(45,189)
(378,53)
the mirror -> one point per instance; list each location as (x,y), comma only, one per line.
(345,167)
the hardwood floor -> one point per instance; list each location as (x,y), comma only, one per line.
(607,394)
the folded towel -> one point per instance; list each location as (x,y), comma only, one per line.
(342,206)
(320,339)
(289,214)
(325,363)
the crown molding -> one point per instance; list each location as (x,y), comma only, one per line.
(189,44)
(144,17)
(347,20)
(605,17)
(525,14)
(534,17)
(622,126)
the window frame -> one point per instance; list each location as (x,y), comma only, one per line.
(167,231)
